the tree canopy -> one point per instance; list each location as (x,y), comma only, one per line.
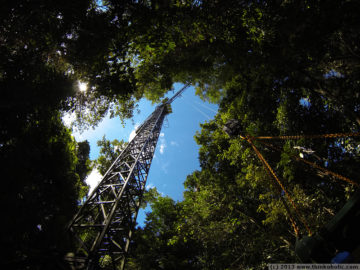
(276,67)
(232,215)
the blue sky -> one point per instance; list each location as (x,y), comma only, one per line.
(176,154)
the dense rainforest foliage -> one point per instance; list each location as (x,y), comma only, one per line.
(276,67)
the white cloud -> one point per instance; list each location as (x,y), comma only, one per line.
(162,143)
(162,148)
(164,167)
(132,135)
(93,179)
(173,143)
(133,132)
(149,186)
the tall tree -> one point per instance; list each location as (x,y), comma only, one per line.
(234,208)
(41,188)
(157,245)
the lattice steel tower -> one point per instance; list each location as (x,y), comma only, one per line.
(104,224)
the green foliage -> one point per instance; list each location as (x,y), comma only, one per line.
(256,59)
(43,167)
(109,151)
(233,207)
(83,166)
(156,246)
(264,64)
(41,189)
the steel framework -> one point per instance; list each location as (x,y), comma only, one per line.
(104,224)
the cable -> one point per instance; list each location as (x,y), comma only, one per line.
(292,220)
(273,175)
(266,165)
(316,136)
(314,165)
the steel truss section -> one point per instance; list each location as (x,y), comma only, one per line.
(104,224)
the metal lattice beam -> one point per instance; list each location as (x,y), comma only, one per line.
(103,226)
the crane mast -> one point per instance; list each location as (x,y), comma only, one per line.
(103,226)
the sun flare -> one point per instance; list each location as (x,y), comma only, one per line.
(82,86)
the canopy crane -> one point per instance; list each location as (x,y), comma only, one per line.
(103,226)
